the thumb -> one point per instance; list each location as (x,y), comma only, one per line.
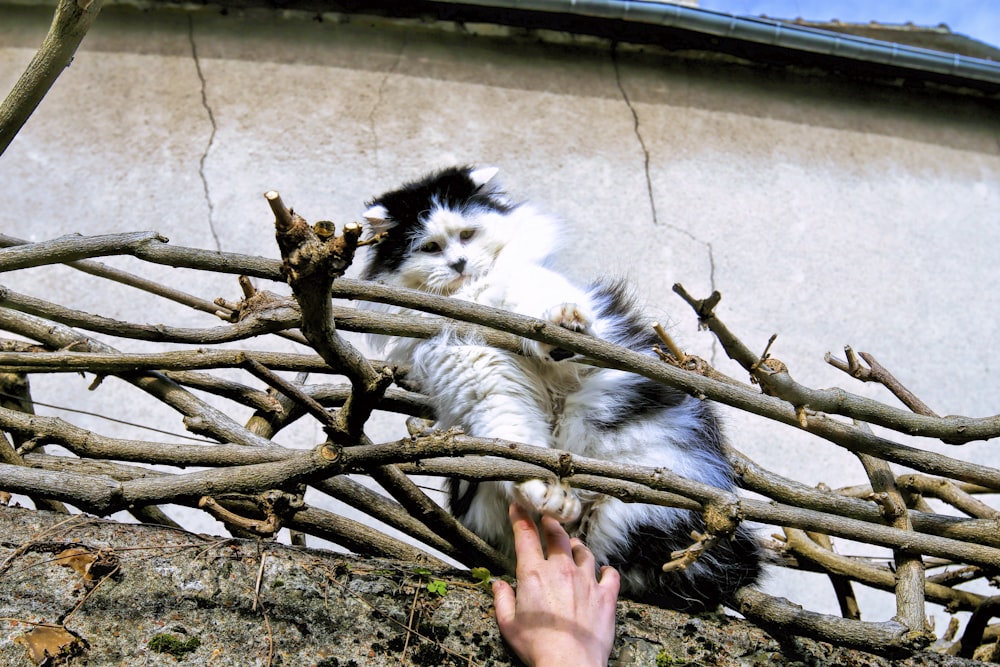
(503,602)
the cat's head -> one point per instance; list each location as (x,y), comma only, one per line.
(440,231)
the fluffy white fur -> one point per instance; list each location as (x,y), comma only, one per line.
(536,398)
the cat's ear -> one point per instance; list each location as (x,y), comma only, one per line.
(378,219)
(485,178)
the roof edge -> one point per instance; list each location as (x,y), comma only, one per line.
(763,31)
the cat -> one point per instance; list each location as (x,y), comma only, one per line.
(456,233)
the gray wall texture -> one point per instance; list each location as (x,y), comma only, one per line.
(827,210)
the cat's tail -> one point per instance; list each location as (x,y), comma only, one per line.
(732,563)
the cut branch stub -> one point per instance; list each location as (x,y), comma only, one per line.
(304,251)
(310,263)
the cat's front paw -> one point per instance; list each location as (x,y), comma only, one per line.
(557,500)
(568,316)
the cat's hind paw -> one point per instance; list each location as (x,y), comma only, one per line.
(557,500)
(569,316)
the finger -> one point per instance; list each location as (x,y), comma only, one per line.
(503,602)
(610,580)
(582,556)
(557,541)
(527,545)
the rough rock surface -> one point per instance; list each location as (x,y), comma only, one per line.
(146,595)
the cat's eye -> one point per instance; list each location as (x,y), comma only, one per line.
(466,234)
(431,247)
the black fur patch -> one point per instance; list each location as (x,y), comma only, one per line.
(638,396)
(636,399)
(729,565)
(460,500)
(407,207)
(616,303)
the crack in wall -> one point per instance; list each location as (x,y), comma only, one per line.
(379,96)
(636,128)
(711,283)
(211,136)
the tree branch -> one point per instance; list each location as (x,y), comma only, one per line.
(70,23)
(242,480)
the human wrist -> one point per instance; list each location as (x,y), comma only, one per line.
(572,655)
(569,661)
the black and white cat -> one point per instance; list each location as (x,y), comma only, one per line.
(456,233)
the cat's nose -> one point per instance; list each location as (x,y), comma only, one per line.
(459,264)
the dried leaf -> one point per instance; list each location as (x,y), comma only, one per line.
(49,641)
(78,558)
(89,564)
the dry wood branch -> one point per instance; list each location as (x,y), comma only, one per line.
(289,389)
(876,372)
(200,417)
(777,615)
(117,275)
(70,23)
(756,478)
(363,457)
(954,429)
(385,510)
(909,566)
(949,492)
(883,578)
(954,577)
(320,523)
(841,585)
(125,278)
(103,361)
(240,394)
(314,257)
(73,247)
(974,631)
(470,546)
(16,395)
(283,316)
(775,380)
(10,456)
(735,395)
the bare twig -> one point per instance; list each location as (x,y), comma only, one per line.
(283,316)
(841,584)
(240,477)
(909,566)
(882,578)
(778,615)
(775,380)
(878,373)
(70,24)
(949,492)
(15,395)
(974,631)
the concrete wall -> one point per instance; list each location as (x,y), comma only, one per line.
(829,211)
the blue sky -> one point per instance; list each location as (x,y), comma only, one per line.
(979,19)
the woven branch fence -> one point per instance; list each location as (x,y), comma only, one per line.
(256,487)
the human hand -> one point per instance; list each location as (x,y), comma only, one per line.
(561,614)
